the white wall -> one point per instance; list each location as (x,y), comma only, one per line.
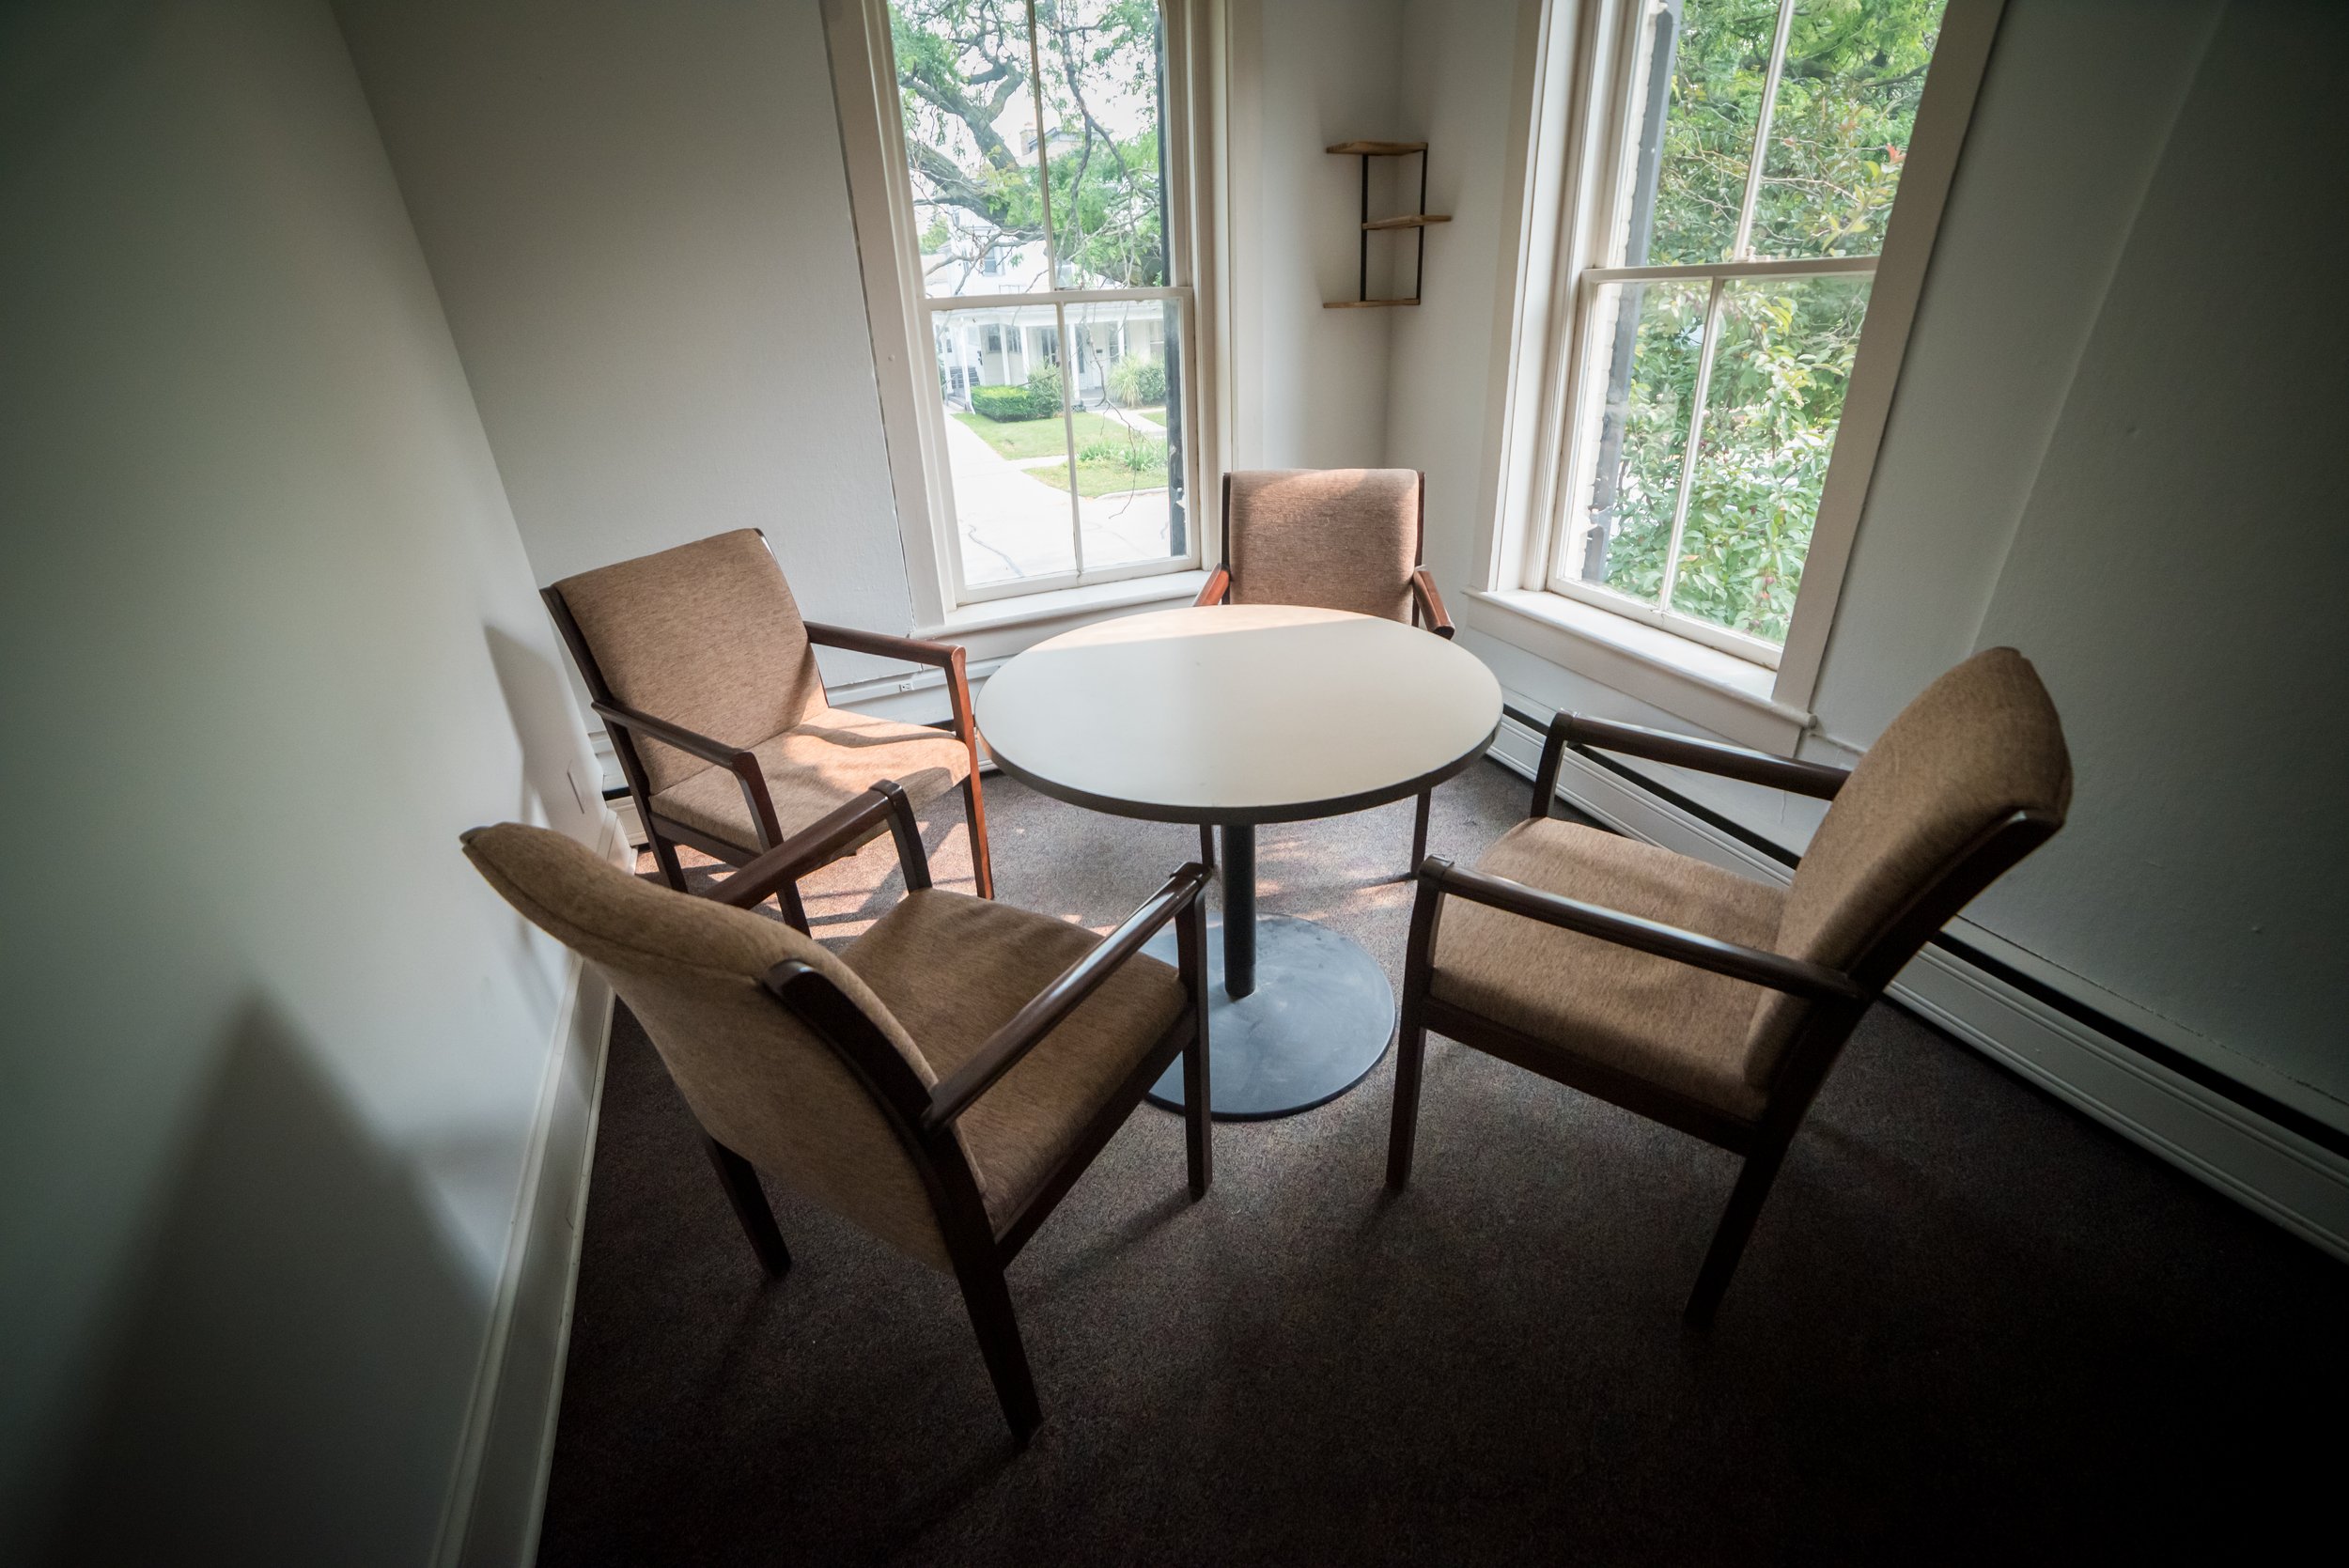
(2178,572)
(638,220)
(2106,449)
(1312,381)
(268,643)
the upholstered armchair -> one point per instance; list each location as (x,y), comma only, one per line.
(1695,997)
(940,1083)
(699,662)
(1333,539)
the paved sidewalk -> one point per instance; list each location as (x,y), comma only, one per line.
(1015,526)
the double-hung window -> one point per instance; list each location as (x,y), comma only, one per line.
(1046,258)
(1748,164)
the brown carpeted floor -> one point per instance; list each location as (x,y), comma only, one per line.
(1972,1325)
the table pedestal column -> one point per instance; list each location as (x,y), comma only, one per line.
(1239,910)
(1296,1014)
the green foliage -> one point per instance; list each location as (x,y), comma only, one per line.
(1136,382)
(1038,399)
(1847,97)
(1010,404)
(1044,389)
(963,66)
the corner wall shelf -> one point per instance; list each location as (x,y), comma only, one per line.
(1416,221)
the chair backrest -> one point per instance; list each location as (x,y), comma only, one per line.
(760,1081)
(1914,831)
(706,635)
(1334,539)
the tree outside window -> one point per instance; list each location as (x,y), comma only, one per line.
(1032,132)
(1763,143)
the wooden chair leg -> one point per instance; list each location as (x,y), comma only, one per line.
(1419,829)
(794,911)
(989,1302)
(739,1177)
(1190,952)
(1206,845)
(1410,1059)
(1736,1228)
(664,856)
(981,863)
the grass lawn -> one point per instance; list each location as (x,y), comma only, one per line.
(1041,437)
(1107,479)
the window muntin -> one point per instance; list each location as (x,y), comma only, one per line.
(1759,144)
(1061,468)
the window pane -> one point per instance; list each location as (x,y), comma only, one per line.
(1103,97)
(1007,444)
(1840,132)
(1778,374)
(1720,59)
(1649,336)
(970,143)
(1129,430)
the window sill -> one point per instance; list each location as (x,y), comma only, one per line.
(999,627)
(1719,692)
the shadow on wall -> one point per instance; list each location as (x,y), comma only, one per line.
(556,778)
(283,1357)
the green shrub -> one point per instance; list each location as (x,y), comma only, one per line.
(1044,391)
(1007,405)
(1136,382)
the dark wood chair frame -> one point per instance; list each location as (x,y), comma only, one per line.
(922,1117)
(1426,611)
(1837,997)
(665,834)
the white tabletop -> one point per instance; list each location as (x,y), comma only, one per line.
(1239,713)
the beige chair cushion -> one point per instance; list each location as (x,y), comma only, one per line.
(953,970)
(816,768)
(759,1081)
(1335,538)
(1684,1029)
(1976,746)
(706,636)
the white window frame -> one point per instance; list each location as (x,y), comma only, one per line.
(1570,106)
(899,310)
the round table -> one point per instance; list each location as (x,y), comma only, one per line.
(1236,715)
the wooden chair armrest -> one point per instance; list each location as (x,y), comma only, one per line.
(821,842)
(1031,1024)
(1431,608)
(1815,779)
(743,765)
(914,650)
(1795,976)
(1217,589)
(686,740)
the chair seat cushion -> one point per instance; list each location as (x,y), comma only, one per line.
(953,970)
(815,768)
(1684,1029)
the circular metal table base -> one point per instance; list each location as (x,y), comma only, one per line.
(1319,1019)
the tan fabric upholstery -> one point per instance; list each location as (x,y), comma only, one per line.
(828,760)
(759,1081)
(954,969)
(1685,1028)
(1978,745)
(705,636)
(1337,538)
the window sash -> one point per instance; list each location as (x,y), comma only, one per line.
(1587,376)
(1178,289)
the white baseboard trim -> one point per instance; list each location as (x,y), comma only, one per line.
(500,1488)
(2301,1185)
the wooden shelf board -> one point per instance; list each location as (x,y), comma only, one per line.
(1416,220)
(1379,149)
(1363,304)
